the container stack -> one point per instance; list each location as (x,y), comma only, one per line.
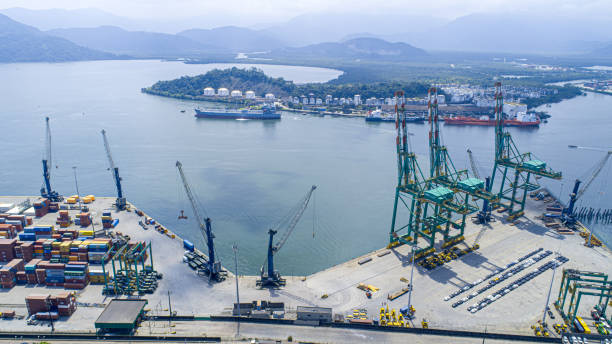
(37,303)
(76,275)
(7,249)
(66,304)
(53,207)
(8,273)
(32,233)
(41,274)
(45,307)
(41,207)
(21,277)
(64,249)
(7,231)
(84,219)
(63,219)
(67,234)
(107,220)
(24,250)
(30,270)
(96,250)
(19,221)
(97,276)
(72,199)
(54,274)
(88,199)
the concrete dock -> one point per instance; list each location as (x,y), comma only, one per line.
(500,243)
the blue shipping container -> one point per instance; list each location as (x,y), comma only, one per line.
(188,245)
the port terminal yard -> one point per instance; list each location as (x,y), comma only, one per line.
(501,243)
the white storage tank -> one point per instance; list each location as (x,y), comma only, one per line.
(236,94)
(209,91)
(224,92)
(250,95)
(270,96)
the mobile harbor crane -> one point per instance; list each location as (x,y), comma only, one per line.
(46,190)
(272,278)
(213,267)
(568,216)
(120,203)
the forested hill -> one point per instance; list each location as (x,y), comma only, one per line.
(232,79)
(192,87)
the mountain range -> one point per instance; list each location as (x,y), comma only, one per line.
(356,48)
(92,34)
(135,43)
(23,43)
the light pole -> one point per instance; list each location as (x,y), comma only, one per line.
(549,290)
(411,286)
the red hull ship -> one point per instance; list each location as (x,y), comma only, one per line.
(463,120)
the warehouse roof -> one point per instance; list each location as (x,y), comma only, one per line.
(121,314)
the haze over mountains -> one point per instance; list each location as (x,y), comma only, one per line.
(320,35)
(23,43)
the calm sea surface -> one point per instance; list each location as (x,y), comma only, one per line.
(249,174)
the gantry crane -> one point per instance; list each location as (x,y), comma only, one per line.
(46,190)
(410,190)
(120,203)
(444,174)
(484,215)
(567,215)
(213,267)
(272,278)
(508,157)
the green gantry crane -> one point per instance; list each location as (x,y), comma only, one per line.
(579,283)
(445,177)
(507,158)
(416,193)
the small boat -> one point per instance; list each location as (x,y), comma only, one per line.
(182,111)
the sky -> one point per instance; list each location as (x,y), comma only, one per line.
(282,10)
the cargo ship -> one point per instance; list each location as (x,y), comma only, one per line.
(266,112)
(377,116)
(521,120)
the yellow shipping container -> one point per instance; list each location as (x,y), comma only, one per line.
(75,196)
(55,245)
(93,198)
(70,200)
(86,232)
(87,200)
(76,243)
(73,258)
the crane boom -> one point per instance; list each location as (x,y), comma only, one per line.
(294,220)
(46,191)
(213,266)
(120,202)
(598,169)
(473,164)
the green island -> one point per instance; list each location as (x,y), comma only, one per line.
(192,87)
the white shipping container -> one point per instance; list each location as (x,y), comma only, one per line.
(29,212)
(4,207)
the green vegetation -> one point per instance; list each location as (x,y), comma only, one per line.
(565,92)
(253,79)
